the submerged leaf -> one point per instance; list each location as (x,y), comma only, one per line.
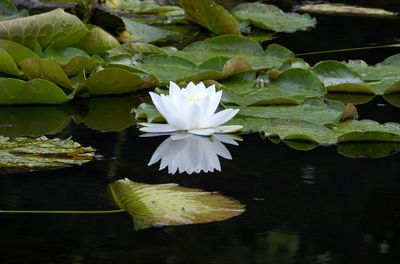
(52,28)
(26,154)
(272,18)
(210,15)
(171,204)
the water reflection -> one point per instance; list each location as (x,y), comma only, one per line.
(185,152)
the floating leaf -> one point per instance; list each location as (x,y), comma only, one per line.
(132,49)
(171,204)
(367,130)
(314,111)
(46,69)
(52,28)
(297,130)
(9,11)
(339,78)
(32,121)
(27,154)
(383,78)
(7,64)
(272,18)
(98,41)
(17,51)
(232,46)
(37,91)
(139,32)
(148,112)
(117,81)
(348,10)
(210,15)
(293,86)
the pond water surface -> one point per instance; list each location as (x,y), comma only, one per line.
(313,206)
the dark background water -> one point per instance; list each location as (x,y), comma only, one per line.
(302,207)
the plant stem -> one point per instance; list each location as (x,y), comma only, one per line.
(349,49)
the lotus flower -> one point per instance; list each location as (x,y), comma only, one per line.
(186,152)
(191,109)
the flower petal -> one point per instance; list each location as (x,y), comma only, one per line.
(159,104)
(202,132)
(221,117)
(157,128)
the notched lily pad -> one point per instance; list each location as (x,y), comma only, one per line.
(171,204)
(27,154)
(272,18)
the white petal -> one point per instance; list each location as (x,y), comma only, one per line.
(227,139)
(160,151)
(174,89)
(227,129)
(211,89)
(159,104)
(213,104)
(157,128)
(221,117)
(195,115)
(202,132)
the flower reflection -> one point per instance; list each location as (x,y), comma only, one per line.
(186,152)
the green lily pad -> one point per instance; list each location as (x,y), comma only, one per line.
(9,11)
(148,112)
(171,204)
(28,154)
(368,149)
(210,15)
(17,52)
(117,81)
(132,49)
(98,41)
(44,29)
(7,64)
(32,121)
(338,78)
(293,86)
(297,130)
(314,111)
(232,46)
(355,99)
(46,69)
(367,130)
(139,32)
(36,91)
(172,68)
(110,114)
(272,18)
(383,78)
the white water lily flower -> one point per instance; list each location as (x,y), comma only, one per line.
(191,109)
(186,152)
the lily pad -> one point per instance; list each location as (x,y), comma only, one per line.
(314,111)
(293,86)
(272,18)
(32,121)
(7,64)
(139,32)
(97,41)
(367,130)
(148,112)
(56,28)
(36,91)
(46,69)
(338,78)
(210,15)
(132,49)
(27,154)
(9,11)
(17,52)
(117,81)
(383,78)
(297,130)
(232,46)
(171,204)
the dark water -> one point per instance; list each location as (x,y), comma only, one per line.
(302,207)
